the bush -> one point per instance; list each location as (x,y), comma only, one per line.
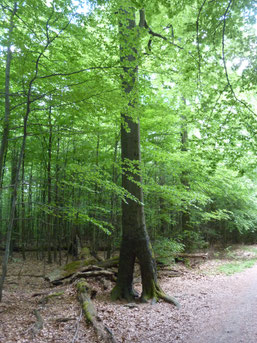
(192,240)
(165,249)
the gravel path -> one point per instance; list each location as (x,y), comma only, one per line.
(232,316)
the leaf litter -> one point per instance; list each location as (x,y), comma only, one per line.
(199,292)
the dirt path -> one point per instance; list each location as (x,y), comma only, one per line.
(214,309)
(232,316)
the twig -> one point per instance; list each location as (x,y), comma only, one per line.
(77,327)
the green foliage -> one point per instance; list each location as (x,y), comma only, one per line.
(192,240)
(165,249)
(196,110)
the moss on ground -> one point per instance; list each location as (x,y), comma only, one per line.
(75,266)
(72,267)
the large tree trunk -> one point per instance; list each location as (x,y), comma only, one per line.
(135,239)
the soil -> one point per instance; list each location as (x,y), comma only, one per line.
(215,308)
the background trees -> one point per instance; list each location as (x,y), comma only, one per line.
(63,100)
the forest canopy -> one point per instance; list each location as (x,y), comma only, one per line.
(63,66)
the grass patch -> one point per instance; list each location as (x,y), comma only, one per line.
(250,249)
(237,266)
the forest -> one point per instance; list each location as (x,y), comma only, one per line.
(127,126)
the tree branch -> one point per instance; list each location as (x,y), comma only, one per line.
(154,34)
(198,42)
(225,63)
(76,72)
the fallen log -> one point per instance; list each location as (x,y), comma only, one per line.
(90,314)
(94,273)
(112,262)
(91,271)
(184,255)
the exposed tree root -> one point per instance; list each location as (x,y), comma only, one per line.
(158,293)
(90,314)
(152,293)
(168,299)
(121,292)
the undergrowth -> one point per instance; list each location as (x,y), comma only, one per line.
(239,261)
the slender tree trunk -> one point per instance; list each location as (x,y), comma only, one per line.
(95,232)
(49,191)
(5,134)
(43,229)
(23,212)
(30,232)
(56,231)
(113,215)
(14,164)
(185,216)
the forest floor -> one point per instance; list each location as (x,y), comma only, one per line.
(215,307)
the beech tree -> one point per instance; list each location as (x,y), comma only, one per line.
(81,77)
(135,240)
